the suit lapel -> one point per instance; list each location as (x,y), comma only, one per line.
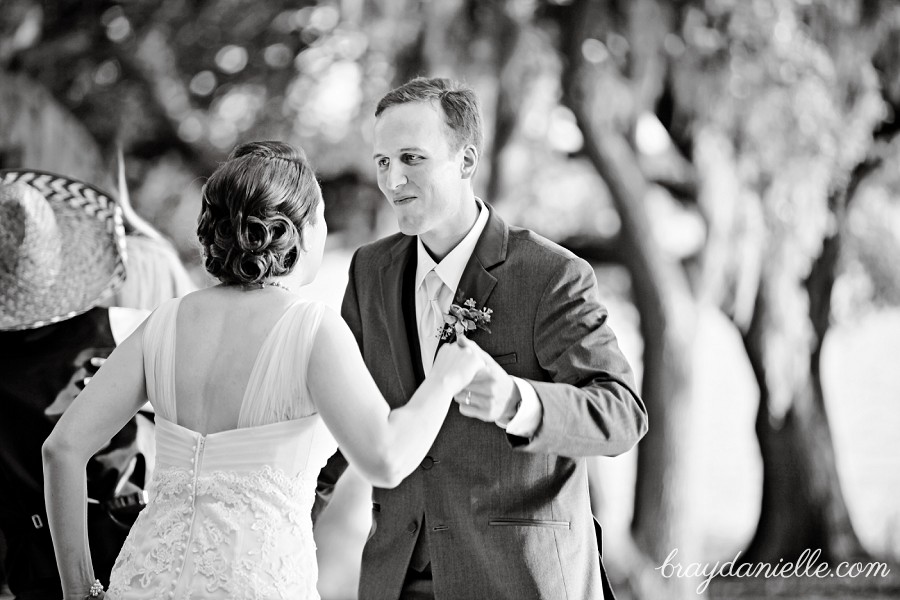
(477,282)
(409,316)
(392,294)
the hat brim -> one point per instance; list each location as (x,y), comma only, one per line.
(93,252)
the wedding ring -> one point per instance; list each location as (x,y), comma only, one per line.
(468,398)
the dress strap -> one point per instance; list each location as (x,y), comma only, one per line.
(158,344)
(276,390)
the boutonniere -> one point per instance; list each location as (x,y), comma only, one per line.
(461,319)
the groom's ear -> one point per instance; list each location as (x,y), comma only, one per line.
(469,162)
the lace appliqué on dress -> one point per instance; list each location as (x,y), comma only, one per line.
(241,535)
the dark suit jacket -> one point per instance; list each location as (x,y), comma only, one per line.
(505,517)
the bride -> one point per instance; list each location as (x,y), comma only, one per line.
(253,387)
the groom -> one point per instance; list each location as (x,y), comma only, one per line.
(500,507)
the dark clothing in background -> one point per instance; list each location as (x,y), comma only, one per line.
(35,365)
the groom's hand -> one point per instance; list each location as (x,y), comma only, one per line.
(491,396)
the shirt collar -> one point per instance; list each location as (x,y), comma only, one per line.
(451,268)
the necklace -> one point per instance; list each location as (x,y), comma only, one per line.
(274,283)
(262,285)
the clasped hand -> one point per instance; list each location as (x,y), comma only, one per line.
(486,391)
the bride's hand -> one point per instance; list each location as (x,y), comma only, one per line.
(458,363)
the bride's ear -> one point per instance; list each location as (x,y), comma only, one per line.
(304,238)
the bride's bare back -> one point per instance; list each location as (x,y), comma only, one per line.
(219,333)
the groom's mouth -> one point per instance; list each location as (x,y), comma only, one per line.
(400,201)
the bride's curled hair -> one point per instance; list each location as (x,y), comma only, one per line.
(254,208)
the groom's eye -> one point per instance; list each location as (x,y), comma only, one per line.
(411,158)
(382,162)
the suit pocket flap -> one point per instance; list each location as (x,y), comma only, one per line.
(513,522)
(506,359)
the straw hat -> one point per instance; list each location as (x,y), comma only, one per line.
(62,248)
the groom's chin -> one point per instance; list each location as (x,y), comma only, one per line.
(407,226)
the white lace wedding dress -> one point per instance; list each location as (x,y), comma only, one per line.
(229,512)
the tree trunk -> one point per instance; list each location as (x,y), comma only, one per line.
(474,42)
(802,505)
(668,314)
(507,110)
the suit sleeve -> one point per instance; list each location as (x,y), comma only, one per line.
(337,464)
(590,406)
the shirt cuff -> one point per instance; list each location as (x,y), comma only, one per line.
(529,413)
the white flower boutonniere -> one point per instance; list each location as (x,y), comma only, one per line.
(462,319)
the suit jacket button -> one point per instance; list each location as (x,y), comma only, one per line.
(412,527)
(427,463)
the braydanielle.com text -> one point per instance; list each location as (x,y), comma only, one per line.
(807,565)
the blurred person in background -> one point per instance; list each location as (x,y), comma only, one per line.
(499,507)
(155,273)
(61,260)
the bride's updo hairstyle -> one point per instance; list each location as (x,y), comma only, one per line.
(254,208)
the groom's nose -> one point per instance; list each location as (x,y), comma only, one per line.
(396,177)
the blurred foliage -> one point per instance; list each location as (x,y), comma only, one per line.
(799,114)
(869,268)
(178,83)
(212,71)
(788,90)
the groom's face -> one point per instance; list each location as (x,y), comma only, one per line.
(418,171)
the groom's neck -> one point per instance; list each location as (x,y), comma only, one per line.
(440,241)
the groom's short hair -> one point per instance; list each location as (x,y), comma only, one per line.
(462,113)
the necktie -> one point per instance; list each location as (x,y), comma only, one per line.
(430,320)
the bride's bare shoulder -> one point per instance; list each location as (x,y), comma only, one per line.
(334,336)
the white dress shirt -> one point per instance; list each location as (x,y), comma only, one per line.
(450,271)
